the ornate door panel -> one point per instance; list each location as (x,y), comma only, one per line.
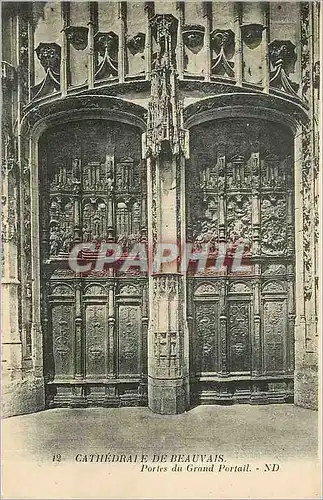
(275,328)
(94,322)
(62,318)
(97,355)
(206,346)
(129,347)
(241,313)
(239,336)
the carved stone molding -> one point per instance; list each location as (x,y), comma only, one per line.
(244,104)
(116,109)
(316,75)
(8,74)
(9,223)
(308,210)
(23,69)
(305,50)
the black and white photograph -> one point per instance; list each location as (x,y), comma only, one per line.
(161,249)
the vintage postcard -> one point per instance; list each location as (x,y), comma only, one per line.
(161,239)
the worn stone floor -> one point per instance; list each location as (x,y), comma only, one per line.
(241,433)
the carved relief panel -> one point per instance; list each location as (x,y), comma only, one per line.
(92,198)
(252,163)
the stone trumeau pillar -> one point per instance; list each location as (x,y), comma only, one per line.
(165,148)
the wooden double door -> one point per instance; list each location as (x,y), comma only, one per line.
(239,183)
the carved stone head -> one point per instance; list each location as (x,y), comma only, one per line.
(252,34)
(193,37)
(136,43)
(107,42)
(49,55)
(77,36)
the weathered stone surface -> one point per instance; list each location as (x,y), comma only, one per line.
(24,393)
(306,387)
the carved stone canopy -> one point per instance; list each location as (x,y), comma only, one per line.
(252,34)
(77,36)
(163,24)
(136,43)
(193,37)
(49,55)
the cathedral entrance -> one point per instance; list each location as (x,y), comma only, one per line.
(241,317)
(94,322)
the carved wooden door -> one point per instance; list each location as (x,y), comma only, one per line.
(94,322)
(241,318)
